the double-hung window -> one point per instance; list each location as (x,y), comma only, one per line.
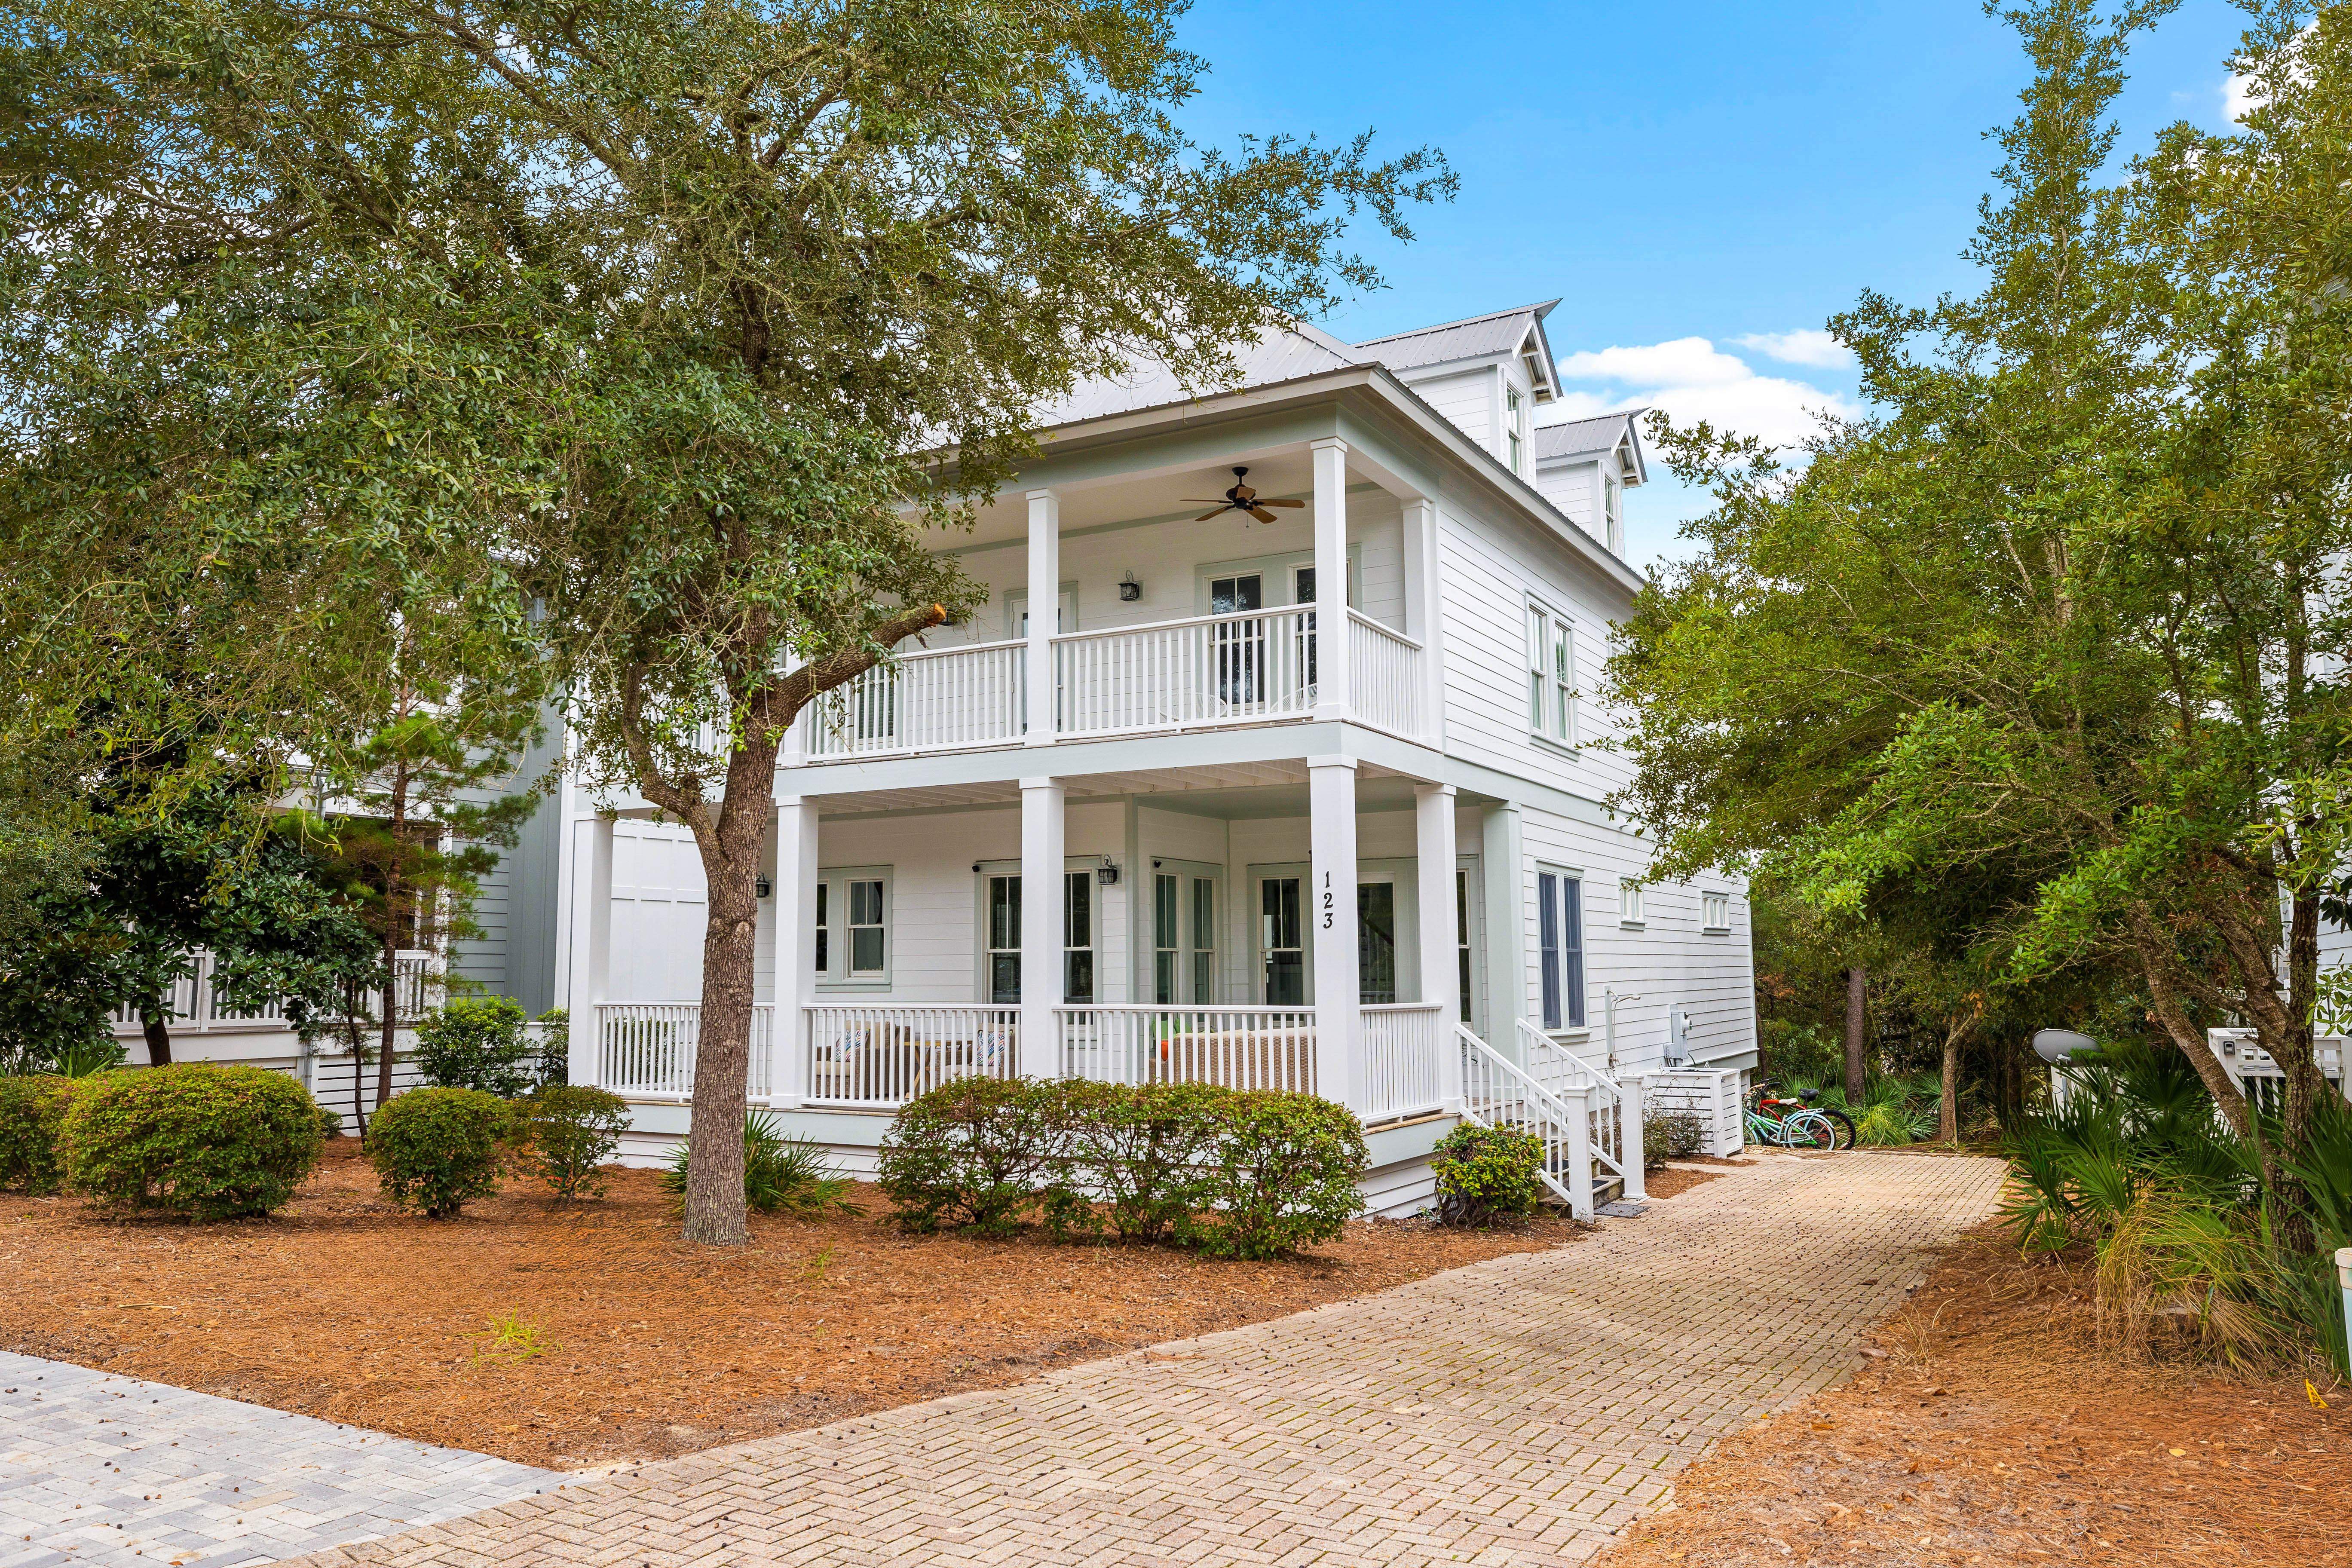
(1612,512)
(1714,912)
(1515,430)
(1628,904)
(1001,960)
(1551,673)
(1559,945)
(853,926)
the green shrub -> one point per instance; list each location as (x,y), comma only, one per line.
(781,1174)
(477,1045)
(32,1114)
(1133,1160)
(330,1124)
(551,1061)
(205,1141)
(1282,1175)
(88,1058)
(979,1151)
(1670,1135)
(1488,1173)
(568,1133)
(435,1150)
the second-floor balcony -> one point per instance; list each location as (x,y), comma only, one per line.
(1318,605)
(1206,671)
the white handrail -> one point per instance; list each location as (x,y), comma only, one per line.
(647,1049)
(934,700)
(1496,1093)
(1616,1131)
(1384,677)
(1248,666)
(1403,1073)
(882,1054)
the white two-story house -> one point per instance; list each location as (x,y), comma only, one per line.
(1300,793)
(1303,792)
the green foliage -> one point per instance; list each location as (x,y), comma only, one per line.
(977,1152)
(1281,1176)
(88,1057)
(1132,1162)
(206,1142)
(781,1174)
(477,1045)
(1670,1135)
(567,1133)
(2191,1258)
(1488,1174)
(32,1117)
(435,1150)
(553,1063)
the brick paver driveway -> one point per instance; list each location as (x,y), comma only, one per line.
(1514,1411)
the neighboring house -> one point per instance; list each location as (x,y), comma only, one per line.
(1314,802)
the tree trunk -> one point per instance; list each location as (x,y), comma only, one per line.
(359,1056)
(1857,1009)
(730,866)
(388,1030)
(1947,1108)
(394,892)
(159,1038)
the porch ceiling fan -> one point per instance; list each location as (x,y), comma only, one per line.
(1241,498)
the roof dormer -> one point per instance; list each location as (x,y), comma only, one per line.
(1584,467)
(1487,374)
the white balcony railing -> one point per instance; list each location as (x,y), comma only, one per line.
(1404,1063)
(882,1054)
(935,700)
(1235,1048)
(1245,668)
(1384,671)
(648,1047)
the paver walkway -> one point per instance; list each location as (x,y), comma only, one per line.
(97,1469)
(1516,1412)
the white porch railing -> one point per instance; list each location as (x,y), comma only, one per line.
(1384,669)
(1496,1093)
(1404,1062)
(648,1047)
(882,1054)
(934,700)
(197,1008)
(1615,1108)
(1235,1047)
(1212,669)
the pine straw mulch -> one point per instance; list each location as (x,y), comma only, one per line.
(341,1307)
(1989,1428)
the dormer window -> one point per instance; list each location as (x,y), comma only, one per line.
(1613,513)
(1515,429)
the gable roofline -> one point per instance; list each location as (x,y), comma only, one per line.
(1451,342)
(1581,440)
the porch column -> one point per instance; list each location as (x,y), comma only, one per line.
(1424,613)
(1331,915)
(795,936)
(1044,603)
(591,943)
(1504,871)
(1332,689)
(1433,825)
(1041,920)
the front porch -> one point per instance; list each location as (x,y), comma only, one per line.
(1198,918)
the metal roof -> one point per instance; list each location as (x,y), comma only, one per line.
(1498,333)
(1581,437)
(1302,350)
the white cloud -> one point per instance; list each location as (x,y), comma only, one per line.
(1806,345)
(2238,95)
(1692,379)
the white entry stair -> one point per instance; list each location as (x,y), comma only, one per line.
(1589,1124)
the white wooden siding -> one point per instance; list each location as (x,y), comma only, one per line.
(1465,397)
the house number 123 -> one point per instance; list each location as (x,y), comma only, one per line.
(1327,900)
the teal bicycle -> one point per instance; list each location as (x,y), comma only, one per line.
(1796,1123)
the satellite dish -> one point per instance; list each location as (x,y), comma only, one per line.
(2057,1045)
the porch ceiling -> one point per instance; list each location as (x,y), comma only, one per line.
(1232,790)
(1147,496)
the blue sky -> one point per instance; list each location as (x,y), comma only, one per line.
(1701,185)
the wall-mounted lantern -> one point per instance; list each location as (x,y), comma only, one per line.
(1129,590)
(762,885)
